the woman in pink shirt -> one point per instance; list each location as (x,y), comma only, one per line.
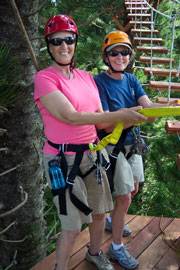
(70,108)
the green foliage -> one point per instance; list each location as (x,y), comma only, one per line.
(170,8)
(94,20)
(9,76)
(52,220)
(162,178)
(160,194)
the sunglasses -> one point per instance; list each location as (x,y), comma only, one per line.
(114,53)
(58,41)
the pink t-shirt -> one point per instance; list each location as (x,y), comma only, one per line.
(81,91)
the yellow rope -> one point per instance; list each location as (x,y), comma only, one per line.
(148,112)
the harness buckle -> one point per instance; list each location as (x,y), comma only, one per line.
(113,155)
(69,181)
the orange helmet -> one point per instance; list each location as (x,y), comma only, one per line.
(115,38)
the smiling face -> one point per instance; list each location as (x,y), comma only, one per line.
(62,50)
(119,57)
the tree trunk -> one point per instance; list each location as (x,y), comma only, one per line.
(27,231)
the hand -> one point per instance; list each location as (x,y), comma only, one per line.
(131,116)
(151,119)
(174,102)
(136,189)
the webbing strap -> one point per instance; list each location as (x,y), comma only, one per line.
(79,149)
(61,199)
(70,181)
(148,112)
(75,169)
(119,147)
(79,204)
(62,203)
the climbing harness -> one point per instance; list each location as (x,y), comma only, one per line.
(138,147)
(119,147)
(75,171)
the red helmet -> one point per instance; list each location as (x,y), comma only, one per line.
(59,23)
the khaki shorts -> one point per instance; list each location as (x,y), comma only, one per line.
(96,196)
(127,172)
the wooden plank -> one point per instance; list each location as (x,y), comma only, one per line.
(136,3)
(148,235)
(78,253)
(155,60)
(172,126)
(157,49)
(162,72)
(141,9)
(165,100)
(141,23)
(47,263)
(81,241)
(171,259)
(145,242)
(78,258)
(146,15)
(132,1)
(150,257)
(137,224)
(161,85)
(143,31)
(147,40)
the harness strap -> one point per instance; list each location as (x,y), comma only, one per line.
(62,200)
(119,147)
(79,149)
(100,160)
(70,147)
(70,181)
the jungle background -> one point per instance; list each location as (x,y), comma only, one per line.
(28,220)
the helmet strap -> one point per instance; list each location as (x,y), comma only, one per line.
(111,67)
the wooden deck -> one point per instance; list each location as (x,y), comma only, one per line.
(155,242)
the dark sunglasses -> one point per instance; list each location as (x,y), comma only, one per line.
(114,53)
(58,41)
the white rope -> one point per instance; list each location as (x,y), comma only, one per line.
(176,1)
(161,13)
(171,55)
(151,73)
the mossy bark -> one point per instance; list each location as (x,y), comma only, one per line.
(23,140)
